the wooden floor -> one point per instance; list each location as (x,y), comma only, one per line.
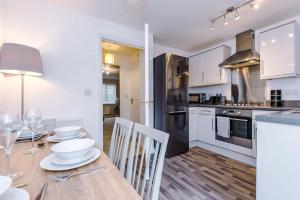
(201,174)
(108,125)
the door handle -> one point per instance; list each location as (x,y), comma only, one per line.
(176,112)
(212,124)
(255,131)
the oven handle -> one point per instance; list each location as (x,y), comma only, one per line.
(242,120)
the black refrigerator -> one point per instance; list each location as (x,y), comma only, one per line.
(171,75)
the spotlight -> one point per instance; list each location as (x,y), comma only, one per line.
(254,5)
(236,15)
(225,21)
(212,26)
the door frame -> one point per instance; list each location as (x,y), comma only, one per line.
(119,40)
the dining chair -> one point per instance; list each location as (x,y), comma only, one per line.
(119,144)
(146,160)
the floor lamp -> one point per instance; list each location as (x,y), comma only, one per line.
(20,60)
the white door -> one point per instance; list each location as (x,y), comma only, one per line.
(206,128)
(146,81)
(193,124)
(196,70)
(277,52)
(134,100)
(213,71)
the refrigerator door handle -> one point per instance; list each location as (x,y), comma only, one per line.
(176,112)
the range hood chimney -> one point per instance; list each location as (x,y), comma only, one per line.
(245,52)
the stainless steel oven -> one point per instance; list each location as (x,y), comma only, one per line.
(240,126)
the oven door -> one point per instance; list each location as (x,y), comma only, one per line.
(240,132)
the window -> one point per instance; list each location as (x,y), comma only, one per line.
(109,93)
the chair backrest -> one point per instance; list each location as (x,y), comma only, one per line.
(146,160)
(119,144)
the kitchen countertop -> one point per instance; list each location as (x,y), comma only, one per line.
(244,107)
(286,117)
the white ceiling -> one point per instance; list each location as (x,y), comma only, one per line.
(185,24)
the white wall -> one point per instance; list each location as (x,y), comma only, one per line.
(70,48)
(289,86)
(161,49)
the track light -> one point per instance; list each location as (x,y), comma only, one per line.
(225,21)
(236,15)
(233,11)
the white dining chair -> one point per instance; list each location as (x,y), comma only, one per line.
(146,160)
(119,144)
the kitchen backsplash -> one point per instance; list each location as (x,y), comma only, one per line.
(225,90)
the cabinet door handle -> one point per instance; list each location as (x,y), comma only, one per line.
(212,124)
(220,73)
(255,131)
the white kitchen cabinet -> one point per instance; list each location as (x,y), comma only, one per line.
(254,128)
(205,70)
(196,70)
(278,161)
(206,125)
(279,52)
(192,124)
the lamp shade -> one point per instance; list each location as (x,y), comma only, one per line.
(20,59)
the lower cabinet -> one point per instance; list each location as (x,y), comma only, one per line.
(193,124)
(206,127)
(202,125)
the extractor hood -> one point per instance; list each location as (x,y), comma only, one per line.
(245,52)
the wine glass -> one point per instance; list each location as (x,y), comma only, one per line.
(32,120)
(10,129)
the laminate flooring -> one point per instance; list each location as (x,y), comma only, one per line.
(203,175)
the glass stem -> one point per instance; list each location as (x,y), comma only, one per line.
(7,157)
(32,139)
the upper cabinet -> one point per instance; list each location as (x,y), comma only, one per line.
(204,67)
(279,52)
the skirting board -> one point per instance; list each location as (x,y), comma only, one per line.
(225,152)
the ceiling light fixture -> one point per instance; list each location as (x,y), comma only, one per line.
(236,15)
(231,10)
(225,21)
(254,5)
(212,26)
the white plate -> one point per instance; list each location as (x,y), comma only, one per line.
(14,194)
(5,182)
(67,131)
(59,161)
(73,148)
(28,136)
(55,139)
(48,165)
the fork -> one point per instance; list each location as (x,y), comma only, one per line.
(43,192)
(67,177)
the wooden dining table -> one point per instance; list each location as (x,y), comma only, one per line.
(106,184)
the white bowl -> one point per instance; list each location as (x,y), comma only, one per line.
(73,148)
(67,132)
(5,182)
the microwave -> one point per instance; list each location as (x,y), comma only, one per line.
(197,98)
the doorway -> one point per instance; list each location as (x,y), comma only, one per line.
(121,85)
